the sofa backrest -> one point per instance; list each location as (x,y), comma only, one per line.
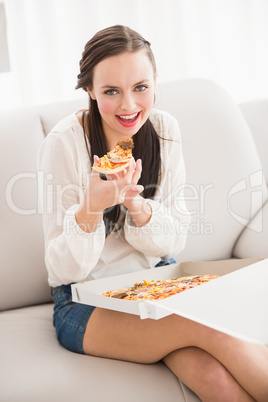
(220,158)
(256,114)
(225,183)
(52,113)
(22,275)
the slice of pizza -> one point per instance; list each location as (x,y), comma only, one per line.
(117,159)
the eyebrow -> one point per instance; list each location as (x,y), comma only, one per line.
(137,83)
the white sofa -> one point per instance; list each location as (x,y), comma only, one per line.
(225,148)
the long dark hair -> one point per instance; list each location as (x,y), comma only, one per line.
(106,43)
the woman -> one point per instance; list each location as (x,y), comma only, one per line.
(95,227)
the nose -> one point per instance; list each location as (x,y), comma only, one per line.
(128,102)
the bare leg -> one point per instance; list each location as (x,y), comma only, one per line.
(126,337)
(247,362)
(205,376)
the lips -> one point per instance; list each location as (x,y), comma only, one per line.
(128,120)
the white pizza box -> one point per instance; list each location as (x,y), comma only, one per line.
(236,303)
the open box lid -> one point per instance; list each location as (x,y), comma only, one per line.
(235,304)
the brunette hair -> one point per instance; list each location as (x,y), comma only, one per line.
(109,42)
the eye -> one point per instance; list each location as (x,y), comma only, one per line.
(110,92)
(141,88)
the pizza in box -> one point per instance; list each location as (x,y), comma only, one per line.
(160,289)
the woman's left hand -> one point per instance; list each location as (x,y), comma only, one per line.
(139,209)
(132,175)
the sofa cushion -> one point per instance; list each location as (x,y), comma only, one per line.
(52,113)
(223,168)
(34,367)
(23,278)
(253,241)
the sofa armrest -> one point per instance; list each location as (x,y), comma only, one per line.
(253,241)
(256,115)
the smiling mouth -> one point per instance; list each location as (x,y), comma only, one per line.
(128,119)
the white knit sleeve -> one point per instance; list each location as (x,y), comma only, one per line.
(70,253)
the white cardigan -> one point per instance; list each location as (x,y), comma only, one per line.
(72,255)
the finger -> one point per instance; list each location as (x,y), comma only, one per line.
(112,176)
(122,173)
(133,188)
(134,191)
(119,175)
(130,170)
(138,188)
(96,159)
(137,172)
(133,162)
(95,176)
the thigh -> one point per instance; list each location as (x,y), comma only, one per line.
(124,336)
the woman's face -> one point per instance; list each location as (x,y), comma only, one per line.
(123,87)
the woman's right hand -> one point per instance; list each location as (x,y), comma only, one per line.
(101,194)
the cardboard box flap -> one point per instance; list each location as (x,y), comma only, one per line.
(220,267)
(235,304)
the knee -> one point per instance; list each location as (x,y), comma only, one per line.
(220,385)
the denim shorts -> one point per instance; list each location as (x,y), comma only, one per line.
(70,319)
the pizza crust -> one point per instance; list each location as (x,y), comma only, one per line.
(120,160)
(118,169)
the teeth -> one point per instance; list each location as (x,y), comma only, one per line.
(131,116)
